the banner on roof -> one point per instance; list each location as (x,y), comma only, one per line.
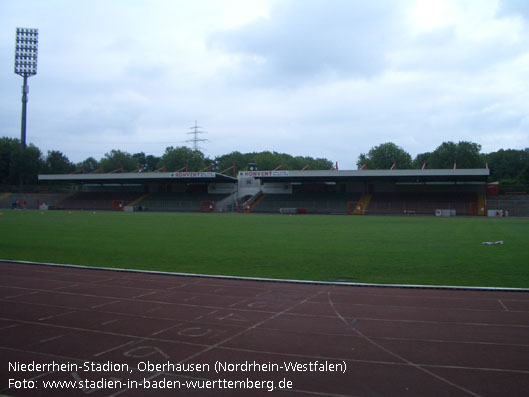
(259,174)
(192,175)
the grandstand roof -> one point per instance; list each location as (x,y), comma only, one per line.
(141,177)
(426,175)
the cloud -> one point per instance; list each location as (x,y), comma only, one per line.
(303,41)
(326,78)
(513,8)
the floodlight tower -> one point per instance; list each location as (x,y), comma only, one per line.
(26,50)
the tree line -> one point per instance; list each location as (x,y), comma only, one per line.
(18,165)
(506,166)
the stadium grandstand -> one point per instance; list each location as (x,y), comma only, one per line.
(367,192)
(147,191)
(360,192)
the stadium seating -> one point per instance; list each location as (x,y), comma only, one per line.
(316,203)
(33,200)
(177,201)
(424,203)
(98,200)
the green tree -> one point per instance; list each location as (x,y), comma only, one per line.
(25,164)
(6,147)
(148,162)
(384,156)
(88,165)
(507,164)
(421,158)
(239,159)
(116,159)
(267,160)
(465,154)
(57,163)
(299,162)
(468,155)
(443,156)
(176,158)
(523,177)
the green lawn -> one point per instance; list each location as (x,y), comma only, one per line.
(410,250)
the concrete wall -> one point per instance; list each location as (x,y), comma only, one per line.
(248,186)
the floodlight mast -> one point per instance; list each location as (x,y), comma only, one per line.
(26,50)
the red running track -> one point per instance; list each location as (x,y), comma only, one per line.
(343,340)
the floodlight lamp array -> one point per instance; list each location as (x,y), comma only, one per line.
(26,50)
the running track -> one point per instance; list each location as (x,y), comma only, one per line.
(392,341)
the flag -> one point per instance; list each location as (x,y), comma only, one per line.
(423,165)
(394,166)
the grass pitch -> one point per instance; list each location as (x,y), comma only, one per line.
(392,250)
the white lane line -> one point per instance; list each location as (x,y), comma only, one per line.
(417,366)
(65,286)
(247,329)
(117,347)
(239,302)
(49,339)
(145,294)
(503,305)
(109,322)
(10,326)
(204,315)
(24,294)
(103,304)
(56,315)
(166,329)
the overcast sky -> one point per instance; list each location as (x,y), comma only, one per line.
(322,78)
